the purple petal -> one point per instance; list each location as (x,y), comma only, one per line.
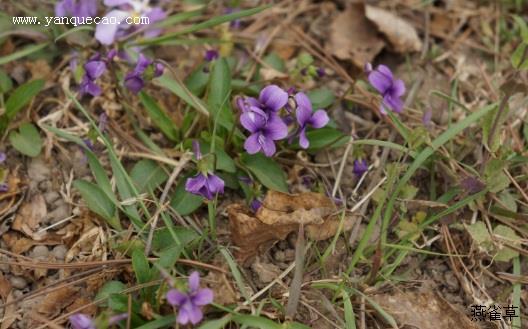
(94,69)
(393,103)
(253,119)
(273,97)
(319,119)
(106,33)
(368,68)
(87,86)
(211,55)
(81,321)
(195,184)
(380,81)
(255,205)
(183,316)
(252,145)
(158,70)
(115,3)
(194,281)
(195,315)
(117,318)
(134,83)
(268,146)
(142,63)
(360,167)
(85,8)
(3,157)
(196,149)
(304,109)
(303,140)
(176,298)
(398,88)
(4,187)
(202,297)
(155,15)
(215,184)
(63,8)
(385,70)
(275,129)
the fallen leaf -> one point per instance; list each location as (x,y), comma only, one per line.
(353,37)
(16,243)
(58,300)
(423,309)
(10,313)
(266,272)
(30,216)
(280,215)
(223,291)
(5,287)
(402,35)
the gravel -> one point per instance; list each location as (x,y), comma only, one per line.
(60,252)
(18,282)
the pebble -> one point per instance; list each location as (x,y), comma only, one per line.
(62,211)
(40,252)
(18,282)
(60,252)
(51,196)
(38,170)
(4,267)
(17,293)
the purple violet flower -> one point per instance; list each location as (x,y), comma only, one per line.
(383,81)
(76,8)
(116,20)
(234,24)
(82,321)
(211,55)
(360,167)
(306,117)
(255,205)
(3,157)
(206,184)
(190,303)
(4,187)
(135,79)
(93,69)
(260,118)
(320,72)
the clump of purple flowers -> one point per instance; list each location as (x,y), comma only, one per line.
(190,303)
(76,8)
(119,21)
(205,183)
(267,122)
(145,69)
(94,68)
(390,89)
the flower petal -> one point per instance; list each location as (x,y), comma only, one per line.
(105,33)
(183,316)
(134,83)
(304,109)
(303,140)
(319,119)
(115,3)
(195,184)
(380,81)
(251,145)
(394,103)
(253,119)
(195,315)
(94,69)
(202,297)
(81,321)
(215,183)
(398,88)
(268,145)
(273,97)
(275,129)
(194,281)
(385,70)
(176,298)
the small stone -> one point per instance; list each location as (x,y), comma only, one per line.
(40,252)
(62,211)
(38,170)
(18,282)
(17,293)
(60,252)
(51,196)
(45,185)
(279,256)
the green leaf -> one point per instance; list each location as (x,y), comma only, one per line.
(126,192)
(321,98)
(197,80)
(100,176)
(159,117)
(162,322)
(275,62)
(182,92)
(5,82)
(324,137)
(496,179)
(268,172)
(22,53)
(108,289)
(164,240)
(183,202)
(219,90)
(522,27)
(216,324)
(27,140)
(518,55)
(21,96)
(504,253)
(141,266)
(479,233)
(98,202)
(256,322)
(148,175)
(350,321)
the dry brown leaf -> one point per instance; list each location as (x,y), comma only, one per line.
(5,287)
(402,35)
(30,216)
(10,313)
(223,291)
(280,215)
(266,272)
(353,37)
(423,309)
(17,243)
(57,300)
